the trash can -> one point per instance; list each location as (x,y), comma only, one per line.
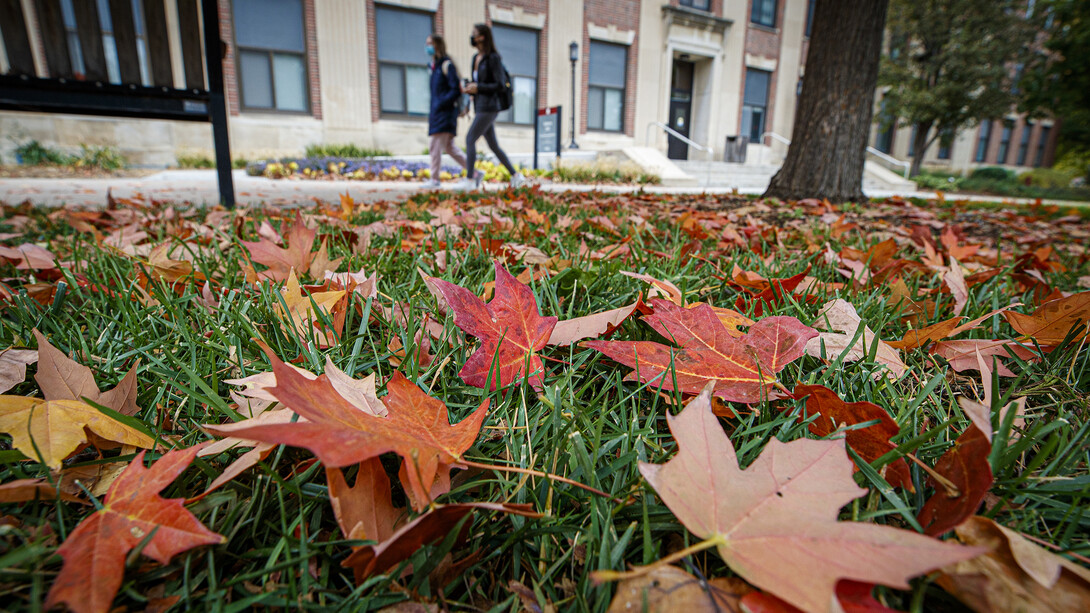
(734,152)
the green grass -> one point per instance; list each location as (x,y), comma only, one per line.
(1045,183)
(347,150)
(283,546)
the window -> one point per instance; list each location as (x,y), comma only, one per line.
(404,84)
(982,140)
(109,47)
(1023,144)
(1042,142)
(518,47)
(755,103)
(912,141)
(1004,142)
(883,140)
(272,54)
(696,4)
(763,12)
(810,18)
(946,142)
(605,86)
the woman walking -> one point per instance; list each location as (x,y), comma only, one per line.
(443,115)
(487,83)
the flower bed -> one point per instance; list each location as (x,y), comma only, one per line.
(346,168)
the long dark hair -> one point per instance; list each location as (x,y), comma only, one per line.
(485,32)
(439,44)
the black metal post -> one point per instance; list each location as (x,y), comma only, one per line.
(574,49)
(214,50)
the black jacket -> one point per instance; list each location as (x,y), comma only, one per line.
(489,77)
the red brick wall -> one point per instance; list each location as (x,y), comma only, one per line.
(230,62)
(625,15)
(540,7)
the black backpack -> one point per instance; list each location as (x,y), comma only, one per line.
(506,94)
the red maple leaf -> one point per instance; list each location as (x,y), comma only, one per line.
(94,553)
(744,368)
(510,327)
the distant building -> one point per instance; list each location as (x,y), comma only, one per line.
(301,72)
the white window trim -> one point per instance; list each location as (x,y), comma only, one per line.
(516,17)
(420,5)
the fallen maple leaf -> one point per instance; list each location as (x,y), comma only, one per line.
(281,261)
(744,369)
(853,597)
(668,588)
(167,269)
(961,353)
(939,331)
(50,431)
(841,317)
(364,510)
(954,278)
(340,434)
(570,331)
(298,311)
(27,490)
(13,363)
(94,553)
(1054,320)
(61,378)
(775,523)
(870,443)
(436,523)
(966,466)
(510,327)
(1015,576)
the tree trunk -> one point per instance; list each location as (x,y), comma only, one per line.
(833,120)
(920,146)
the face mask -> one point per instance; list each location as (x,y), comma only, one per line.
(429,50)
(472,40)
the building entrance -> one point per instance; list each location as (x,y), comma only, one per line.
(681,108)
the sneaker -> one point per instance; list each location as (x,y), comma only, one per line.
(430,184)
(518,180)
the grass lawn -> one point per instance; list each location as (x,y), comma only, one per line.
(174,293)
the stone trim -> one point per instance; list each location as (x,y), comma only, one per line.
(516,16)
(610,34)
(420,5)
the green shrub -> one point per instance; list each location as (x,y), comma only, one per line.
(600,171)
(238,163)
(992,173)
(195,160)
(33,153)
(102,158)
(343,151)
(1047,177)
(1076,162)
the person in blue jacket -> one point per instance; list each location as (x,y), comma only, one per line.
(446,93)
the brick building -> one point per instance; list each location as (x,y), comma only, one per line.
(300,72)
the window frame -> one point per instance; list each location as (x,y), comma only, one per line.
(983,141)
(692,4)
(1006,133)
(1042,144)
(753,13)
(748,130)
(304,55)
(513,75)
(604,88)
(1023,143)
(946,144)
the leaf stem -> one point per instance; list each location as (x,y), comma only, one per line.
(601,576)
(951,489)
(538,473)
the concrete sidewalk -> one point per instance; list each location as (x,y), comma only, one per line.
(199,187)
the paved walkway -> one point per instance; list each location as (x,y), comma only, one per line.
(199,186)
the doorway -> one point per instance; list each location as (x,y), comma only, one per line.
(681,108)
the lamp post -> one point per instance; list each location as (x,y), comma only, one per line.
(574,49)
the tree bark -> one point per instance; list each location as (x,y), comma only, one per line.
(833,120)
(920,146)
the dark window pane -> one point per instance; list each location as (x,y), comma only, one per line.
(912,142)
(290,82)
(756,93)
(607,64)
(763,12)
(518,47)
(810,17)
(269,24)
(401,35)
(946,142)
(392,88)
(1023,145)
(1004,142)
(257,91)
(697,4)
(753,122)
(1042,142)
(982,141)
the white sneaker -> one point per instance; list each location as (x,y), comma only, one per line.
(518,180)
(470,183)
(430,184)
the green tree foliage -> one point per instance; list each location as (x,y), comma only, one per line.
(1058,81)
(952,63)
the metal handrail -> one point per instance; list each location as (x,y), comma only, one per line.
(871,150)
(889,158)
(688,141)
(675,134)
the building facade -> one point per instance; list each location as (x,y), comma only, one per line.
(302,72)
